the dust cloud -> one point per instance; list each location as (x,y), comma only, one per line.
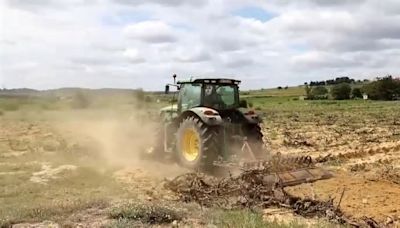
(117,140)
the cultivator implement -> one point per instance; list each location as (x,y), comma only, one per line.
(278,169)
(284,176)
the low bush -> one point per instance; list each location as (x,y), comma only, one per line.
(341,91)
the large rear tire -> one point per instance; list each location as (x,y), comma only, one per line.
(197,144)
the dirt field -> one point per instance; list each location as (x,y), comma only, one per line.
(81,167)
(360,143)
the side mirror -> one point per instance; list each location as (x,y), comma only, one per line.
(166,89)
(243,104)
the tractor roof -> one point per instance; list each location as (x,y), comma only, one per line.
(211,81)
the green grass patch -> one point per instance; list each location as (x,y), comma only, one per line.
(146,213)
(245,218)
(289,92)
(248,218)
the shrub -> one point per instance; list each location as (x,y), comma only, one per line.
(356,93)
(341,91)
(385,88)
(317,92)
(308,90)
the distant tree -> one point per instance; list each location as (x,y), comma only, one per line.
(308,91)
(385,88)
(330,82)
(335,81)
(318,92)
(317,83)
(279,87)
(286,87)
(341,91)
(356,93)
(340,80)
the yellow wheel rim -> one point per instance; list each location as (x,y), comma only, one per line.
(190,144)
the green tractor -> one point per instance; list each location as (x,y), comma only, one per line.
(209,124)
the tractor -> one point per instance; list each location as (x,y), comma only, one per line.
(207,126)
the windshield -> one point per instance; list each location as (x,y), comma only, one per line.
(220,96)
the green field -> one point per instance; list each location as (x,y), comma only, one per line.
(289,92)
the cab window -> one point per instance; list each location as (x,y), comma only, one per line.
(190,96)
(220,96)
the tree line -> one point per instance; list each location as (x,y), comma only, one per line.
(335,81)
(383,88)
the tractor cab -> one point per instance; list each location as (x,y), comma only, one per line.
(218,94)
(219,97)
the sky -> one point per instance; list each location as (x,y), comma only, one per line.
(48,44)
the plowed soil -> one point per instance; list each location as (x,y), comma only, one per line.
(49,158)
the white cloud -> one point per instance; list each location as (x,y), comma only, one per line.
(315,59)
(151,32)
(49,43)
(162,2)
(133,55)
(194,54)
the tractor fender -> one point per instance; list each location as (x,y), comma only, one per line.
(208,115)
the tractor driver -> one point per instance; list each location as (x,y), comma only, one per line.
(212,98)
